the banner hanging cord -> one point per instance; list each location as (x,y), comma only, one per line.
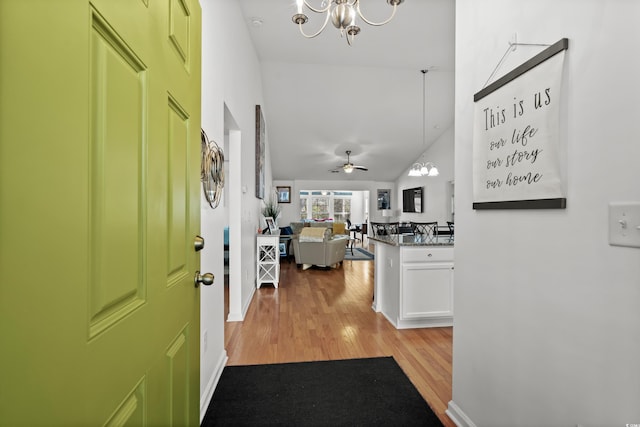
(511,48)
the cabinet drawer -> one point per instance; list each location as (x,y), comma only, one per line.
(427,254)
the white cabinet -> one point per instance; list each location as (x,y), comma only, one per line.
(267,259)
(414,285)
(426,285)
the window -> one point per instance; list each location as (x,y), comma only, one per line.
(320,207)
(334,205)
(304,200)
(341,207)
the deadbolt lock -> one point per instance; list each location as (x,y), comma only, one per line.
(198,243)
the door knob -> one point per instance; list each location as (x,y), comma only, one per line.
(198,243)
(206,279)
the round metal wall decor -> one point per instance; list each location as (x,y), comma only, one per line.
(211,170)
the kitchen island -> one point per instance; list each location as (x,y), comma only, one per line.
(414,280)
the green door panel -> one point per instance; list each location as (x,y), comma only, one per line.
(99,206)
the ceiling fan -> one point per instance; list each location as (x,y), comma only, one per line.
(348,167)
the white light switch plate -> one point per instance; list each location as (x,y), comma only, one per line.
(624,224)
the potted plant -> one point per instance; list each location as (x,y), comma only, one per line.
(271,208)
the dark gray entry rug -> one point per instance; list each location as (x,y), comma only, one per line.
(354,392)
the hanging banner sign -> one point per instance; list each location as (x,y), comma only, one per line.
(516,159)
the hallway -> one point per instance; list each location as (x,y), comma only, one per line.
(326,315)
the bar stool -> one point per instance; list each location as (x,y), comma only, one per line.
(426,229)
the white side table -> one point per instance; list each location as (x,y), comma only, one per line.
(267,259)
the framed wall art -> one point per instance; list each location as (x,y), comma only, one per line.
(284,194)
(517,155)
(384,199)
(211,169)
(260,142)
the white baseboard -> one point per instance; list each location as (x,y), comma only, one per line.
(425,322)
(392,321)
(458,416)
(207,395)
(247,302)
(435,322)
(232,317)
(375,307)
(239,317)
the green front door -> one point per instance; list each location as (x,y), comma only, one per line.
(99,208)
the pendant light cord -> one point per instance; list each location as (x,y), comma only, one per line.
(424,105)
(425,168)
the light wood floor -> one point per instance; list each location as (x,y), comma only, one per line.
(326,315)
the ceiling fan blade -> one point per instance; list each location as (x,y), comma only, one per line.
(362,168)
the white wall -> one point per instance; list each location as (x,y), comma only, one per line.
(292,212)
(231,78)
(436,194)
(547,314)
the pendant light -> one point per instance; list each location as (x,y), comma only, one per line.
(424,168)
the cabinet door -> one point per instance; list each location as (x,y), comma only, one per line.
(427,290)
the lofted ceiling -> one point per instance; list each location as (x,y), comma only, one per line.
(323,97)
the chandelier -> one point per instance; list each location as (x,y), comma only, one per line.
(343,15)
(424,168)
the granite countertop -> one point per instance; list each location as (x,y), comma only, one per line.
(414,240)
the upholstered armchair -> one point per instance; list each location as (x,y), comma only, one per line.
(315,246)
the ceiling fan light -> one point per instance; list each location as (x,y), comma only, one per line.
(348,168)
